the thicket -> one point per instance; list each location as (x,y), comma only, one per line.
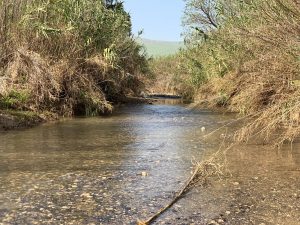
(168,75)
(247,55)
(69,57)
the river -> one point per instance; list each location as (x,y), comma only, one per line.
(118,168)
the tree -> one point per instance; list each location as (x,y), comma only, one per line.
(201,14)
(113,4)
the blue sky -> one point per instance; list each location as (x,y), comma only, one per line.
(160,19)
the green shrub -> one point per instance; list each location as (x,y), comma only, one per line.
(14,100)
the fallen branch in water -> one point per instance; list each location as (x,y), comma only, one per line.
(175,199)
(201,172)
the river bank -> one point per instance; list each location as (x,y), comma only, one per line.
(10,120)
(16,119)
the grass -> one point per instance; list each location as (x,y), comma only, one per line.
(69,57)
(245,57)
(13,99)
(11,119)
(241,56)
(24,115)
(158,48)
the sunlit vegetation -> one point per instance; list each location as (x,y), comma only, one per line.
(246,53)
(169,77)
(68,57)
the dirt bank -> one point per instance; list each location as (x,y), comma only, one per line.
(20,119)
(13,119)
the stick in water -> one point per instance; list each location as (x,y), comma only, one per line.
(176,198)
(201,171)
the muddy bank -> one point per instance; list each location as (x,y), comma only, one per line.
(19,119)
(13,119)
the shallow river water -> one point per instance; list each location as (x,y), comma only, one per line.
(116,169)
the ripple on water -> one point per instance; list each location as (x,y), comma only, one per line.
(90,170)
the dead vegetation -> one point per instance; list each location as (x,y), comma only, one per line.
(61,56)
(250,62)
(170,77)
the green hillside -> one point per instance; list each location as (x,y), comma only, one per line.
(161,48)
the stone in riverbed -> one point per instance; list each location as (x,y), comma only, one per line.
(220,221)
(85,195)
(144,174)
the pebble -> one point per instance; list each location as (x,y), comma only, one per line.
(109,209)
(85,195)
(220,221)
(144,174)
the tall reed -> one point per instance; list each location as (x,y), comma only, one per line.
(68,56)
(250,61)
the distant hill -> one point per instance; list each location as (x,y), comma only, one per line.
(161,48)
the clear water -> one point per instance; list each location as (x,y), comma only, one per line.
(92,170)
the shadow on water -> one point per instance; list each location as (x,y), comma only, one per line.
(89,170)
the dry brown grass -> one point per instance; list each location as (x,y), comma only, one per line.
(58,87)
(57,61)
(169,77)
(263,81)
(28,71)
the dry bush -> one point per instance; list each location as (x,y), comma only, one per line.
(65,88)
(258,48)
(27,71)
(169,77)
(68,57)
(268,83)
(80,94)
